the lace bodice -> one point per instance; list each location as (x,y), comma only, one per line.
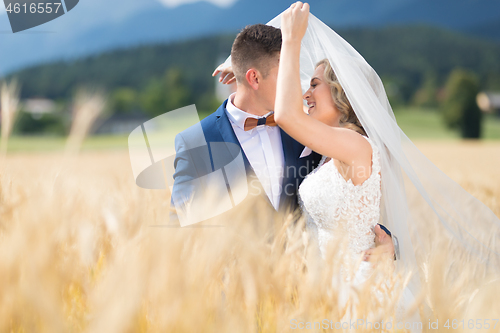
(330,204)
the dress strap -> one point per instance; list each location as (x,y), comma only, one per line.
(375,155)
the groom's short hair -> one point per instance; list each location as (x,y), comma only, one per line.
(255,47)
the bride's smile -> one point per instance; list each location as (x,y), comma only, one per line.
(319,99)
(311,105)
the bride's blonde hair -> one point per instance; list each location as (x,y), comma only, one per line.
(348,118)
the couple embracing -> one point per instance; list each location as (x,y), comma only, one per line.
(347,139)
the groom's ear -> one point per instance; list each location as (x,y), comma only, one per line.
(253,78)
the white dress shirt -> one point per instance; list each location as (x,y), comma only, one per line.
(263,149)
(306,152)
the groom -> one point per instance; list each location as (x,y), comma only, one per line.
(272,159)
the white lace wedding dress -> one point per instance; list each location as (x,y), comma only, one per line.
(332,205)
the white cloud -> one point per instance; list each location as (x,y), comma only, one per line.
(175,3)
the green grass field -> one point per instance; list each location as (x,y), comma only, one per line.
(427,124)
(418,124)
(51,143)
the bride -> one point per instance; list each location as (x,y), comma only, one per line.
(343,194)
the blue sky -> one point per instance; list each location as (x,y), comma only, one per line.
(171,3)
(175,3)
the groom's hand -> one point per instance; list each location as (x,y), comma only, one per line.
(384,246)
(226,74)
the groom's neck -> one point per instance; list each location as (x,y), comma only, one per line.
(249,102)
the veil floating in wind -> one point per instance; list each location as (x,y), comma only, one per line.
(417,198)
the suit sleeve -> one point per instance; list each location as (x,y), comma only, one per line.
(185,173)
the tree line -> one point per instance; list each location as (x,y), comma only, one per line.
(416,64)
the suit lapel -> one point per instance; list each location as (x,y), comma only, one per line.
(294,168)
(228,136)
(289,166)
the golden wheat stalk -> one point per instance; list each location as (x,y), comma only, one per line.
(88,105)
(98,256)
(9,105)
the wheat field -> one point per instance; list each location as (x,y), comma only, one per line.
(86,250)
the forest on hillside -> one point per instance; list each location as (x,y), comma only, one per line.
(414,62)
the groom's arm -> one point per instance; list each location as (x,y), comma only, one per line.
(193,177)
(185,173)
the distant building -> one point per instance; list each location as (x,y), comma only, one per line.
(38,106)
(489,102)
(119,124)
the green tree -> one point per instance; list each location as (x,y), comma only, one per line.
(426,95)
(48,123)
(460,110)
(393,90)
(123,100)
(165,94)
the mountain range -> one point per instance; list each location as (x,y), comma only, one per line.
(95,26)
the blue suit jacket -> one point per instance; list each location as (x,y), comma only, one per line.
(195,158)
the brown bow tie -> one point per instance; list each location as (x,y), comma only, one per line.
(251,123)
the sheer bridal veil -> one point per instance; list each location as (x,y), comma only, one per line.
(419,200)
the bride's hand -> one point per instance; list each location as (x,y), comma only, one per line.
(294,22)
(226,74)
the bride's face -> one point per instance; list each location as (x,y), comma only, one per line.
(319,99)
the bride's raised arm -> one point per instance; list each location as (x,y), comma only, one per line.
(338,143)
